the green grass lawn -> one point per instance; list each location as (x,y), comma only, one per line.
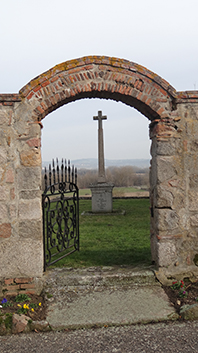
(107,240)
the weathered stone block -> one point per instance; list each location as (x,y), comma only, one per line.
(12,193)
(194,220)
(174,183)
(193,146)
(3,118)
(31,229)
(165,148)
(2,173)
(166,220)
(19,323)
(42,326)
(3,211)
(3,138)
(31,158)
(10,176)
(5,230)
(167,254)
(21,128)
(183,217)
(29,194)
(189,312)
(3,155)
(34,142)
(30,210)
(163,196)
(193,180)
(191,163)
(165,168)
(162,169)
(35,129)
(21,257)
(29,178)
(193,200)
(12,211)
(3,193)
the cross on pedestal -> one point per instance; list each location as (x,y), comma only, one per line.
(101,166)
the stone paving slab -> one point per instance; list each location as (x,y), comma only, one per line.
(85,303)
(135,305)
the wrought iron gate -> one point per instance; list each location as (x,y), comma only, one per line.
(60,202)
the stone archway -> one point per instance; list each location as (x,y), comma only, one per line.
(174,168)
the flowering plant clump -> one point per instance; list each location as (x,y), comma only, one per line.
(23,304)
(25,308)
(5,303)
(181,287)
(178,285)
(183,294)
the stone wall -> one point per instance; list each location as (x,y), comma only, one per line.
(20,192)
(173,176)
(174,187)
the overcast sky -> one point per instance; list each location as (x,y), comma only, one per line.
(37,35)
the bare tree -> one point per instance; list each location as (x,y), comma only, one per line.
(120,176)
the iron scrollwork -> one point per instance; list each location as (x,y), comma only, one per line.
(60,202)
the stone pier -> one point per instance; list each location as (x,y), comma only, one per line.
(102,197)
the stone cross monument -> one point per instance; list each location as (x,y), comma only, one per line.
(101,165)
(102,191)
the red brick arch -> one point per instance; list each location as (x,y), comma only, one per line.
(173,172)
(100,77)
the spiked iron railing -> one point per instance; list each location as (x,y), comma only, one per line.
(59,176)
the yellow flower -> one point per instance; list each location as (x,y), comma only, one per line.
(19,305)
(32,309)
(39,304)
(25,306)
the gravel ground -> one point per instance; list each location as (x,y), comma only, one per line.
(163,337)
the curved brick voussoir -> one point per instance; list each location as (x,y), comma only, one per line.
(101,77)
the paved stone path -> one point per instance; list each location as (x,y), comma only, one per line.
(105,296)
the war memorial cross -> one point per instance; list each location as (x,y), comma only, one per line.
(101,166)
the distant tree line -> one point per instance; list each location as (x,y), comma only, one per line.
(119,176)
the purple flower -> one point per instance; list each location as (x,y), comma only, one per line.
(4,301)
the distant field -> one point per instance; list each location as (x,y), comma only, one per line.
(113,239)
(83,192)
(116,191)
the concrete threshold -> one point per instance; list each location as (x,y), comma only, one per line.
(100,296)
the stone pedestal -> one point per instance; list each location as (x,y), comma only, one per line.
(102,197)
